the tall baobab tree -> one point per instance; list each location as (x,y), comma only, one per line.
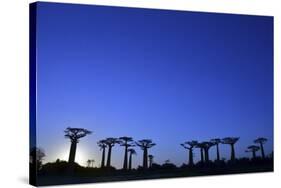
(231,141)
(126,142)
(145,144)
(92,163)
(253,149)
(110,142)
(88,163)
(150,159)
(216,142)
(201,147)
(206,146)
(189,146)
(131,153)
(261,141)
(74,134)
(102,144)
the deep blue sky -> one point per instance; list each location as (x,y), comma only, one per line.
(170,76)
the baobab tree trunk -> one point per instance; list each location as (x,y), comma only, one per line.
(206,155)
(202,155)
(254,154)
(103,158)
(262,151)
(108,163)
(218,153)
(125,158)
(190,157)
(145,158)
(72,152)
(130,161)
(232,152)
(150,163)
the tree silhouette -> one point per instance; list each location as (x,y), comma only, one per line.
(261,141)
(167,161)
(131,153)
(253,149)
(201,147)
(217,141)
(189,146)
(102,145)
(37,155)
(145,144)
(92,162)
(126,142)
(206,146)
(74,134)
(150,159)
(110,142)
(88,163)
(231,141)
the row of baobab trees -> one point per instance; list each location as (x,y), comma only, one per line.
(206,145)
(75,134)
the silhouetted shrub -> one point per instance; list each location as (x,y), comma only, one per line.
(168,166)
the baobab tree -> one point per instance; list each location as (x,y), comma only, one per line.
(131,152)
(216,142)
(110,142)
(102,144)
(145,144)
(88,163)
(92,162)
(201,147)
(126,142)
(150,159)
(253,149)
(206,146)
(261,141)
(231,141)
(189,146)
(74,134)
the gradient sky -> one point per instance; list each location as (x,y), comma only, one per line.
(169,76)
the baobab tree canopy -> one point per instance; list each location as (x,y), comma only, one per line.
(206,144)
(124,140)
(260,140)
(145,143)
(215,140)
(189,144)
(133,151)
(230,140)
(111,141)
(102,144)
(253,148)
(74,134)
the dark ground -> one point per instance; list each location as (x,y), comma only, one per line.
(55,173)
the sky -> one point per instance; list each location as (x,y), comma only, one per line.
(169,76)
